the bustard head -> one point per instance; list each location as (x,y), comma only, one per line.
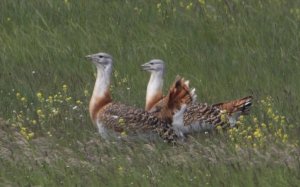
(154,65)
(101,60)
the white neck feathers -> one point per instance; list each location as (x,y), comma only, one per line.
(102,82)
(154,89)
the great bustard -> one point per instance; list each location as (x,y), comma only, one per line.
(200,116)
(113,119)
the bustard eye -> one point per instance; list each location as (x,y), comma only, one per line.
(101,56)
(151,63)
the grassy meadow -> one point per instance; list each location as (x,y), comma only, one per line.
(227,49)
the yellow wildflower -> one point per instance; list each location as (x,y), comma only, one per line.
(223,116)
(284,138)
(23,99)
(257,133)
(263,125)
(30,135)
(243,132)
(68,99)
(86,93)
(65,88)
(123,134)
(235,130)
(39,112)
(237,146)
(121,121)
(55,111)
(50,99)
(270,112)
(255,120)
(39,95)
(49,133)
(279,133)
(158,6)
(202,2)
(189,6)
(241,118)
(34,122)
(78,102)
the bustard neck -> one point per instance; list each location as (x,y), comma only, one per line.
(101,95)
(154,89)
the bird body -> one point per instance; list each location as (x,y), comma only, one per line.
(198,117)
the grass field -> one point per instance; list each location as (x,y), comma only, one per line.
(227,49)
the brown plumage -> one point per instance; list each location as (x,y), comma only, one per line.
(155,99)
(97,103)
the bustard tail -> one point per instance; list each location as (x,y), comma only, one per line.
(242,105)
(235,108)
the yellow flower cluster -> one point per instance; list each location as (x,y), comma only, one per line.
(33,118)
(26,133)
(171,5)
(120,81)
(21,98)
(258,132)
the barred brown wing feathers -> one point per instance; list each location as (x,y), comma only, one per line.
(203,113)
(243,105)
(126,117)
(123,118)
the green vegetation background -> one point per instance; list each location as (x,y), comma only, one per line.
(227,49)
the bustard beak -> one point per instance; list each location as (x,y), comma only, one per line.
(89,57)
(146,66)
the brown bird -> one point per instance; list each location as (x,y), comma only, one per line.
(200,116)
(114,119)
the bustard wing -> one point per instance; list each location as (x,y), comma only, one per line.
(178,92)
(133,121)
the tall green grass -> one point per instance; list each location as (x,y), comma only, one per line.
(228,49)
